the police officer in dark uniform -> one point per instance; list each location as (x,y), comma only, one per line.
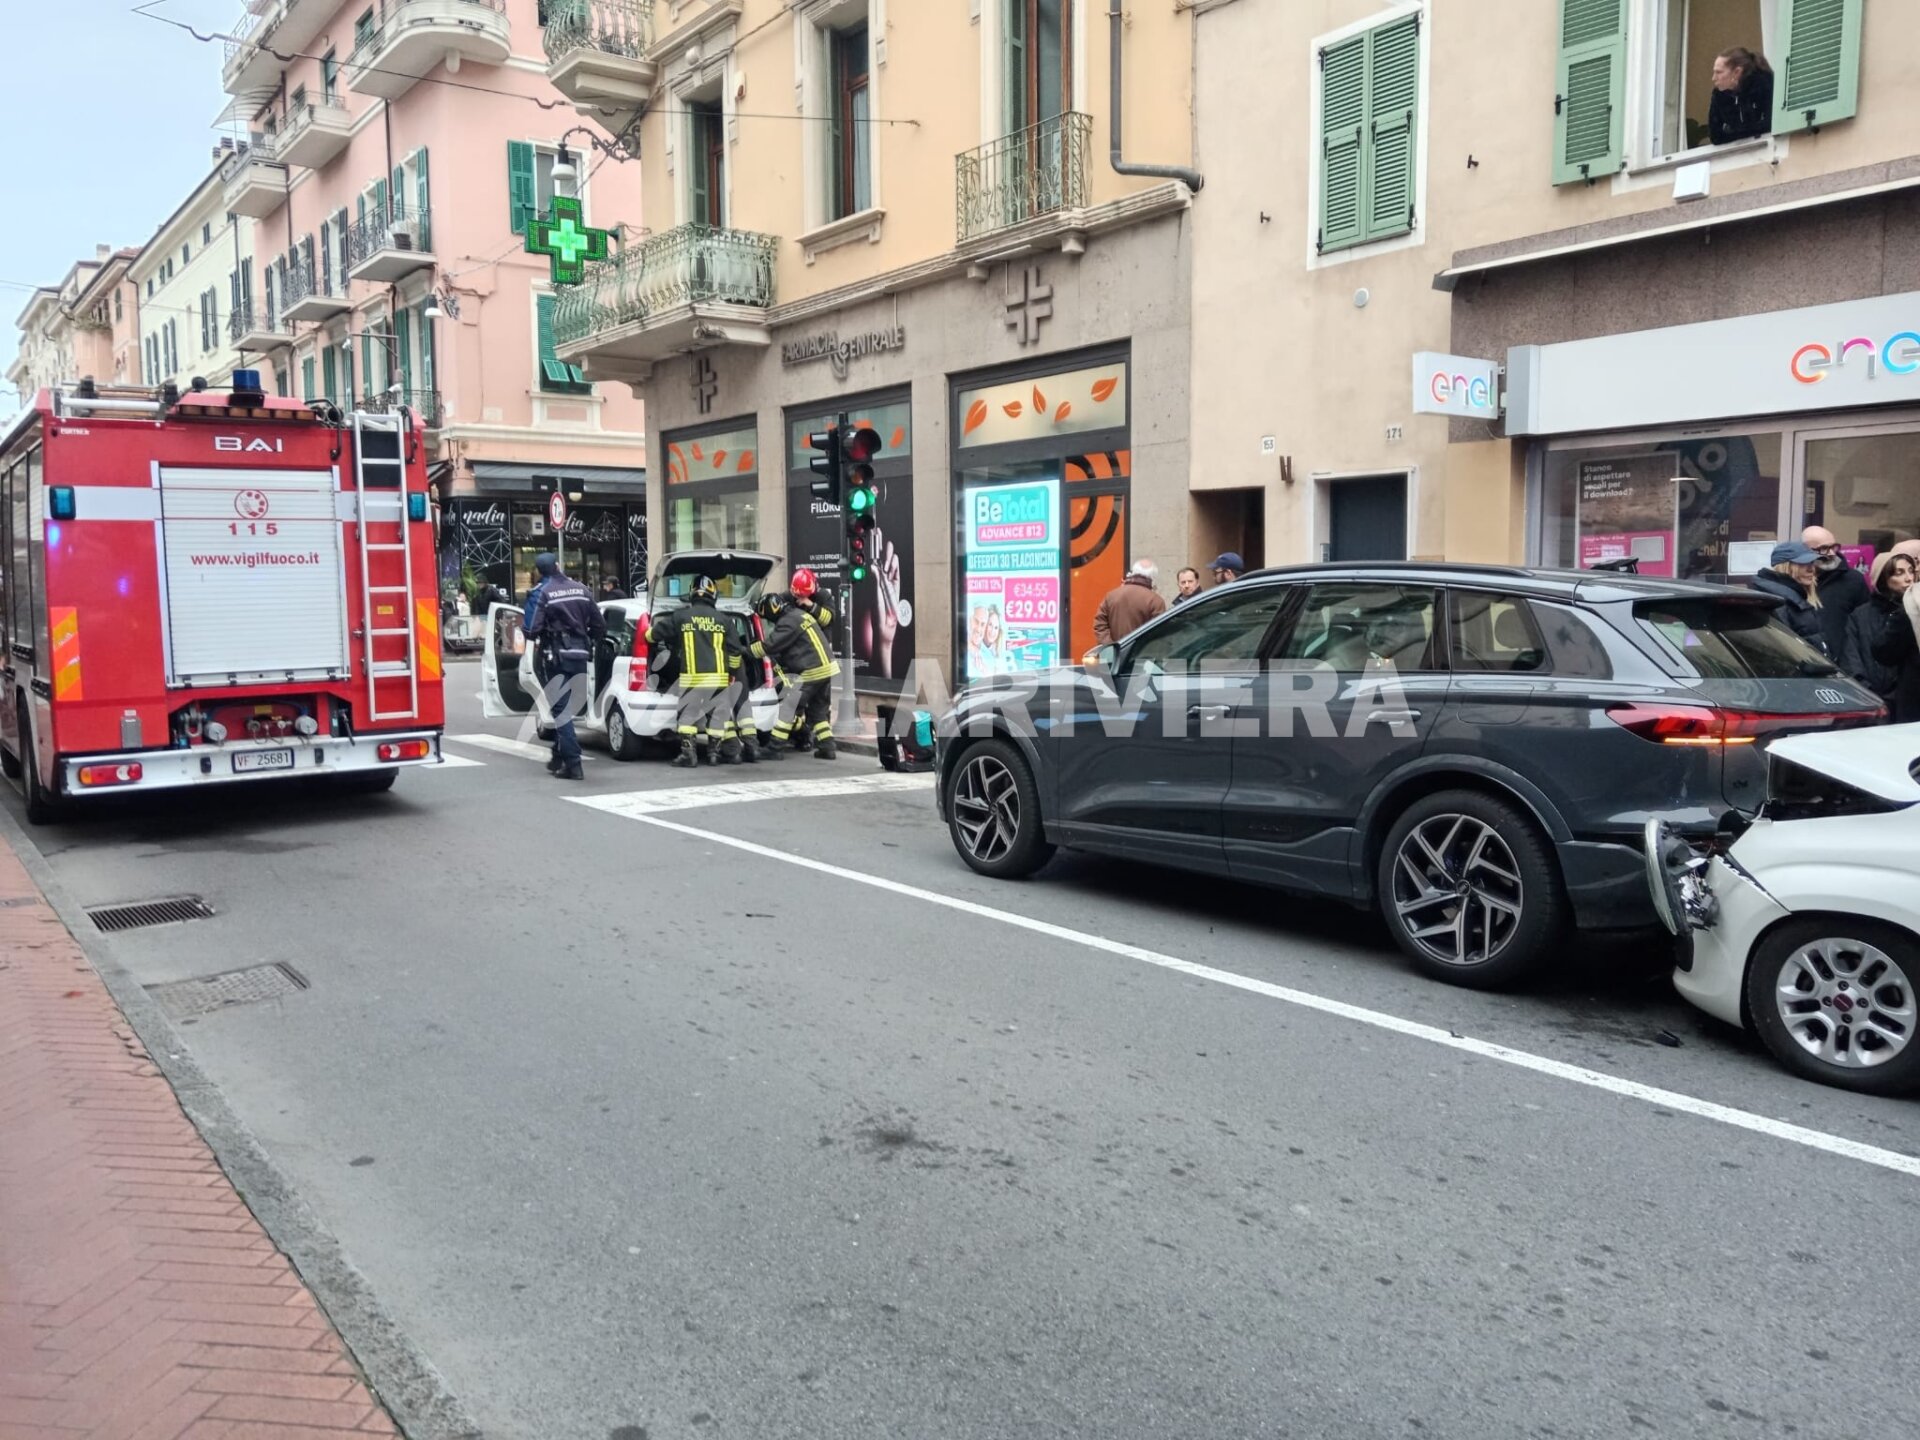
(706,655)
(566,624)
(797,643)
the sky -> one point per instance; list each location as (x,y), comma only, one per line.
(112,117)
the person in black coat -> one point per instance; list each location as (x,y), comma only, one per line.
(1790,581)
(1842,588)
(1742,103)
(1898,648)
(1868,625)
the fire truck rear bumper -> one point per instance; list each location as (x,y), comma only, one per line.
(249,760)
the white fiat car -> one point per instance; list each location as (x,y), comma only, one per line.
(627,704)
(1806,928)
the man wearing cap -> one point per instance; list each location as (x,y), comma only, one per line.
(1130,604)
(566,624)
(1228,568)
(1843,589)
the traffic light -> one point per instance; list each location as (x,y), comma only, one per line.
(859,446)
(826,464)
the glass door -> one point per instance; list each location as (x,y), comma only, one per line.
(1862,483)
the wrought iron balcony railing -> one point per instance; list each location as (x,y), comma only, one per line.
(248,321)
(613,27)
(376,28)
(425,405)
(300,116)
(399,229)
(303,282)
(1021,176)
(688,265)
(241,34)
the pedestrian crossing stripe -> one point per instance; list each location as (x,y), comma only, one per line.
(637,803)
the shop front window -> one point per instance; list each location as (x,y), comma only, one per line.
(1864,488)
(1696,508)
(713,490)
(1044,470)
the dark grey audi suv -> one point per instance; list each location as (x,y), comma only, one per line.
(1472,750)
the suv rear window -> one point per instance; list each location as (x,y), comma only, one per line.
(1724,640)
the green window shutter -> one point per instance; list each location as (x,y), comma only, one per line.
(1590,90)
(381,214)
(424,213)
(403,341)
(307,392)
(552,372)
(1820,78)
(1393,102)
(346,375)
(366,365)
(427,382)
(329,373)
(521,194)
(1343,113)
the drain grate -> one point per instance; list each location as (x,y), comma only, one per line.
(140,914)
(205,994)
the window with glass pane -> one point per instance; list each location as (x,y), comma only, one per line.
(1039,61)
(1495,635)
(708,166)
(852,110)
(1865,488)
(1356,626)
(1224,630)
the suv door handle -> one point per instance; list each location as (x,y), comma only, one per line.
(1209,712)
(1392,717)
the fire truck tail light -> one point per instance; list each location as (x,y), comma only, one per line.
(406,750)
(93,777)
(60,502)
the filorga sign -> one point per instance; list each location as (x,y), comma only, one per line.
(1822,357)
(840,353)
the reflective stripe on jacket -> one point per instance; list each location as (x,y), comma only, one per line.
(705,649)
(798,645)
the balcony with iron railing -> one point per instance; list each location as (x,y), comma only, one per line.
(425,405)
(1035,174)
(287,26)
(309,295)
(314,133)
(252,181)
(401,41)
(383,248)
(597,53)
(692,287)
(256,331)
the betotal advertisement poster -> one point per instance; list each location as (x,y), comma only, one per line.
(1012,612)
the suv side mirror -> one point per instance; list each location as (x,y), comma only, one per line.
(1106,656)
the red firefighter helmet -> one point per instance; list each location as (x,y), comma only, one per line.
(805,584)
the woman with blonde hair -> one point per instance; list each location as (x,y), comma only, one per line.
(1793,580)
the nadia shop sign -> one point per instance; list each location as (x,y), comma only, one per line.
(841,353)
(1898,354)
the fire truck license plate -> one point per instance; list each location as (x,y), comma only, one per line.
(263,760)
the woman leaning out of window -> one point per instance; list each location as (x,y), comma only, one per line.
(1742,103)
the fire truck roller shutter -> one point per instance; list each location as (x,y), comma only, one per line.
(255,575)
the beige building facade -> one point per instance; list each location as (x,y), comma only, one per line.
(910,214)
(1705,342)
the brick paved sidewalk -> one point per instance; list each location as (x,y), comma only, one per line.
(139,1298)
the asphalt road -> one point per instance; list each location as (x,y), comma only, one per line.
(636,1132)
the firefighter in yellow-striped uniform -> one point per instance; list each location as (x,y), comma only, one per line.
(707,656)
(797,643)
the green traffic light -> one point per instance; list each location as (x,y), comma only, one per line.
(860,499)
(859,572)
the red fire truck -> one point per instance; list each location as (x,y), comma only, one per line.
(209,588)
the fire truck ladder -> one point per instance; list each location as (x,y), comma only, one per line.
(387,505)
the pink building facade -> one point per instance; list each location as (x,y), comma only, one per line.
(390,168)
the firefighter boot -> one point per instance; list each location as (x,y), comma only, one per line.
(773,748)
(686,759)
(749,748)
(826,749)
(712,753)
(730,752)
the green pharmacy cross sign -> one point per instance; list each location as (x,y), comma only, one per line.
(565,237)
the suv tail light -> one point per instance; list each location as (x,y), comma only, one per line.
(1705,725)
(637,672)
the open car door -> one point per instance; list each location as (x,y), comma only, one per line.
(505,670)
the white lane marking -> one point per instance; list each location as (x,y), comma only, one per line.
(637,805)
(455,762)
(522,748)
(1485,1049)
